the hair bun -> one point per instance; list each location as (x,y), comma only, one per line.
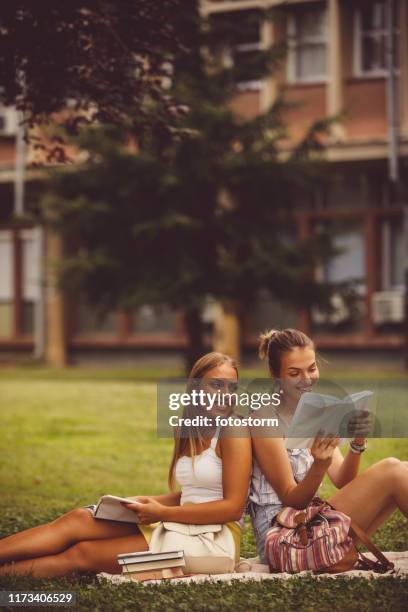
(264,340)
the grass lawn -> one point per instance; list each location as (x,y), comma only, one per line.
(67,438)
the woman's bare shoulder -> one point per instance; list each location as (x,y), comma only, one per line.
(237,429)
(266,423)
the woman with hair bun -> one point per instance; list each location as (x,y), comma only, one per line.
(291,477)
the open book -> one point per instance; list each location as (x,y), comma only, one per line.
(110,508)
(328,413)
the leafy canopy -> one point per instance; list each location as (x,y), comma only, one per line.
(208,212)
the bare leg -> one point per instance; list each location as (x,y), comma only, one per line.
(384,513)
(371,497)
(58,535)
(86,556)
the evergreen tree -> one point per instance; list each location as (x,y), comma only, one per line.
(200,214)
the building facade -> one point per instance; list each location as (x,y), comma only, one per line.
(345,59)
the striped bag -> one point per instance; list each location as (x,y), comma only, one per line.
(318,538)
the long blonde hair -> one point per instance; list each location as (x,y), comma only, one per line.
(195,441)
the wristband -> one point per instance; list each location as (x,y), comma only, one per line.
(357,449)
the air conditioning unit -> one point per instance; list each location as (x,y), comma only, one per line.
(388,306)
(8,121)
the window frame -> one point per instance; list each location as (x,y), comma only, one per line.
(9,121)
(17,330)
(7,296)
(294,44)
(229,51)
(358,34)
(251,84)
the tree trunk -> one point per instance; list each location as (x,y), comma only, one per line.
(194,329)
(55,350)
(227,336)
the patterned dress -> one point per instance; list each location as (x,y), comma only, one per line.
(263,501)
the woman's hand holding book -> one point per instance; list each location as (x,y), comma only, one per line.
(323,448)
(148,510)
(360,426)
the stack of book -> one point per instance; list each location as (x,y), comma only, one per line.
(146,565)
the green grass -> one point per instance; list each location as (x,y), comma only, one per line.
(68,437)
(299,594)
(153,372)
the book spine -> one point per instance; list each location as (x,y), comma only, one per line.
(172,572)
(169,573)
(142,576)
(141,567)
(151,559)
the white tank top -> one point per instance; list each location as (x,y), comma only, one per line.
(202,481)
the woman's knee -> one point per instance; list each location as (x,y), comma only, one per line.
(80,557)
(77,515)
(82,514)
(391,467)
(73,514)
(391,463)
(72,523)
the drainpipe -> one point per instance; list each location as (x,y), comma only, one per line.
(19,169)
(393,170)
(393,142)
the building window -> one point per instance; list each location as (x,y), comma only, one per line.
(267,310)
(347,268)
(8,121)
(154,319)
(6,202)
(351,190)
(307,37)
(6,284)
(397,255)
(392,249)
(92,322)
(31,278)
(240,33)
(370,24)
